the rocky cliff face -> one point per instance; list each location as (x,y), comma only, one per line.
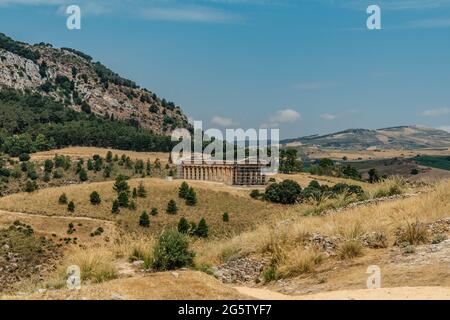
(72,78)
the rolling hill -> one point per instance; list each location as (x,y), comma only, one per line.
(404,137)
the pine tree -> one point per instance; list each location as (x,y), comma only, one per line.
(148,168)
(109,157)
(225,217)
(172,207)
(115,207)
(95,198)
(62,199)
(144,220)
(141,192)
(121,185)
(154,212)
(183,226)
(191,197)
(90,165)
(202,229)
(107,171)
(132,206)
(183,190)
(71,206)
(83,175)
(123,200)
(134,194)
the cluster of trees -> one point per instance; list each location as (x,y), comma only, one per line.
(290,192)
(187,193)
(289,161)
(327,167)
(30,122)
(106,75)
(192,229)
(123,194)
(18,48)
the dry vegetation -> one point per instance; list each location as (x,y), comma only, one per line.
(88,152)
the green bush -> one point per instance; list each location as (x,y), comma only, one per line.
(144,220)
(183,190)
(225,217)
(62,199)
(115,207)
(286,192)
(183,226)
(95,198)
(141,192)
(71,206)
(202,229)
(191,197)
(154,212)
(172,207)
(172,251)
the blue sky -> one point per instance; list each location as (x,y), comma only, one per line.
(306,66)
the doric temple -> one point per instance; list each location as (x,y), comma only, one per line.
(242,173)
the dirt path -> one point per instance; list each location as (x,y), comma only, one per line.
(400,293)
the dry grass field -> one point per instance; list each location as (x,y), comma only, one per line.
(88,152)
(189,285)
(372,155)
(213,200)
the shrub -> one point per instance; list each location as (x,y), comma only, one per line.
(144,220)
(172,251)
(350,249)
(286,192)
(48,165)
(62,199)
(255,194)
(23,157)
(414,171)
(183,190)
(439,238)
(141,192)
(191,197)
(123,200)
(115,207)
(71,206)
(183,226)
(31,186)
(202,229)
(132,205)
(95,198)
(121,185)
(83,175)
(154,212)
(413,233)
(225,217)
(172,207)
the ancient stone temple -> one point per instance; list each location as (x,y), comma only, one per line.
(233,173)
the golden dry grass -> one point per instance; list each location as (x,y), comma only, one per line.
(213,201)
(88,152)
(366,154)
(190,285)
(384,217)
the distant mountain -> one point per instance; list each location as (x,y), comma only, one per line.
(73,79)
(404,137)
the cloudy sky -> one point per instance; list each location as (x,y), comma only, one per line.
(305,66)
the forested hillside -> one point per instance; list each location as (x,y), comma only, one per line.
(30,122)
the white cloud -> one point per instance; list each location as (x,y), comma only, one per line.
(282,116)
(436,112)
(222,121)
(327,116)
